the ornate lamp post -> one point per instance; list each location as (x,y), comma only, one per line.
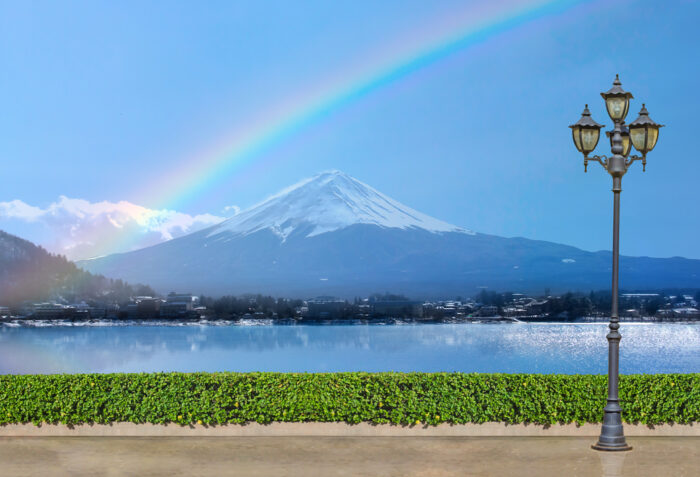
(642,133)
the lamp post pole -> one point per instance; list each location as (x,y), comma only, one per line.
(643,134)
(612,436)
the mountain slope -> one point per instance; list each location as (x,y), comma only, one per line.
(28,272)
(333,235)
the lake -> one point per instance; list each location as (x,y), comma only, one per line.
(502,347)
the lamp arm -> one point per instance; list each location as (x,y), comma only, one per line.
(603,160)
(642,158)
(631,159)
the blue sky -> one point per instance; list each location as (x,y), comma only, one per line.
(101,99)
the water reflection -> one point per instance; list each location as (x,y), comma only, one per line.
(612,463)
(649,348)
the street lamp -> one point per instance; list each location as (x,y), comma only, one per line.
(642,133)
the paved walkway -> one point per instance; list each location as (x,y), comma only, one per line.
(344,456)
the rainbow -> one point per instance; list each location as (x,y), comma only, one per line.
(474,25)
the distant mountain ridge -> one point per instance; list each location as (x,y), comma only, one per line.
(333,235)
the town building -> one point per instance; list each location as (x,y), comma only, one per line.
(488,310)
(686,312)
(144,307)
(324,307)
(397,308)
(50,311)
(179,306)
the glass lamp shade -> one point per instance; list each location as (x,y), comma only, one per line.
(576,134)
(617,101)
(617,106)
(585,138)
(644,138)
(626,143)
(585,132)
(644,132)
(588,138)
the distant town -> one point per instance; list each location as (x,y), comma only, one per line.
(485,306)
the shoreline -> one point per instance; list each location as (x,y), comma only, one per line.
(32,322)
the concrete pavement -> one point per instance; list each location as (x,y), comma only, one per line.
(344,456)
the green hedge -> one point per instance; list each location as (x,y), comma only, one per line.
(399,398)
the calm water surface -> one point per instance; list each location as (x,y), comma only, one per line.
(508,348)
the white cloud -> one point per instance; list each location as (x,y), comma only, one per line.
(16,209)
(231,210)
(82,229)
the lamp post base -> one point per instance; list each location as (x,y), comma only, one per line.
(612,435)
(611,448)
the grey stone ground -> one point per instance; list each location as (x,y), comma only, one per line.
(344,456)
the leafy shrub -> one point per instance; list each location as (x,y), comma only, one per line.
(398,398)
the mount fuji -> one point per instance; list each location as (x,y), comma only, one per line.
(333,235)
(325,203)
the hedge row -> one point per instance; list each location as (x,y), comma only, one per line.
(399,398)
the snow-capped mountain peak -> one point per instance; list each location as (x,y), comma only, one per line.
(329,201)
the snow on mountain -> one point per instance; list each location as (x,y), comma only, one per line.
(327,202)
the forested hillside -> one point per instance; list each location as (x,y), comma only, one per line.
(28,272)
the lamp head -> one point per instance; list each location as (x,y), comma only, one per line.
(644,132)
(617,101)
(586,132)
